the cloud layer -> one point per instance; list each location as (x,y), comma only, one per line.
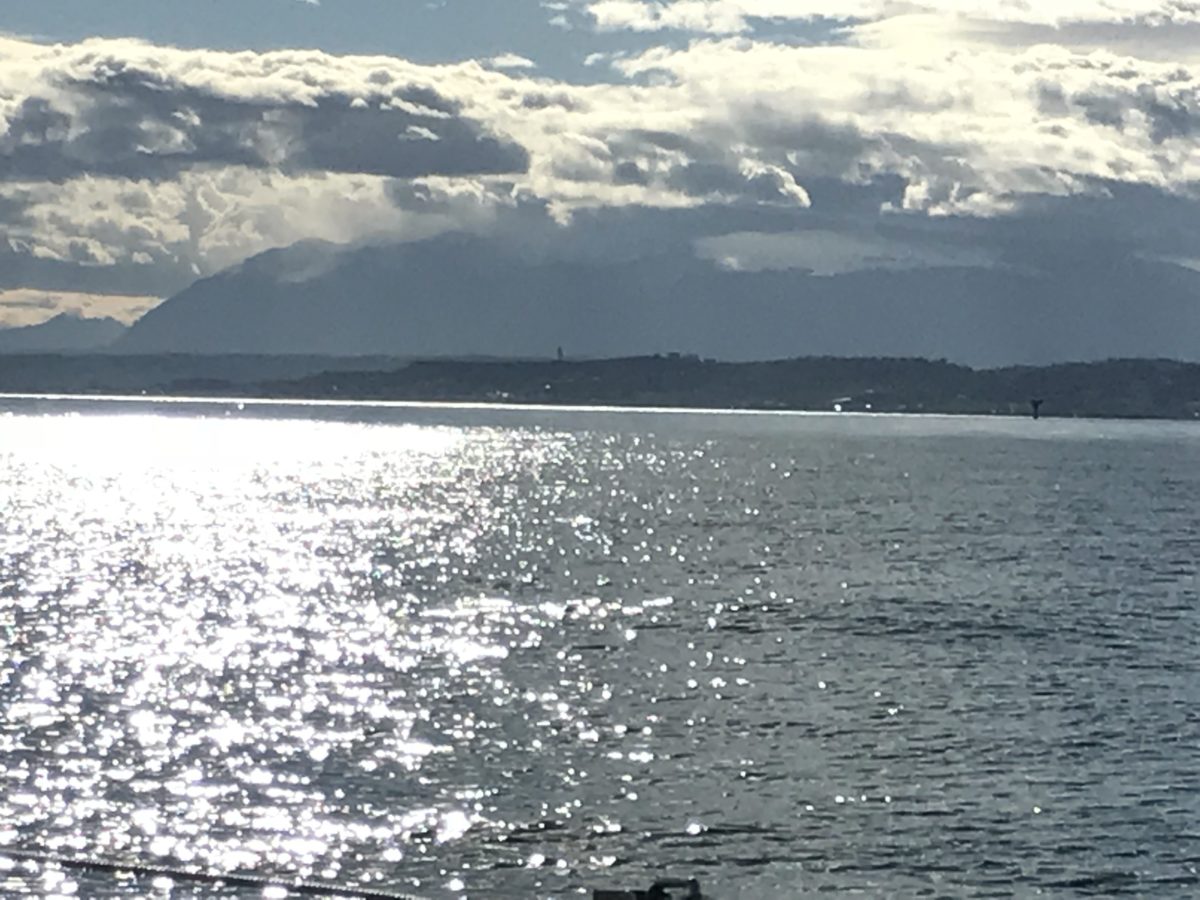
(737,16)
(132,110)
(117,154)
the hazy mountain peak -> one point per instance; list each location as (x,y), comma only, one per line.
(462,294)
(67,332)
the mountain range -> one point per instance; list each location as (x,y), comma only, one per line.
(463,295)
(65,333)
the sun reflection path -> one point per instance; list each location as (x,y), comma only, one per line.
(224,648)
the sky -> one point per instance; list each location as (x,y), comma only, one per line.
(146,144)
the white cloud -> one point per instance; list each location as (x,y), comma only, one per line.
(970,132)
(726,17)
(123,108)
(511,61)
(211,219)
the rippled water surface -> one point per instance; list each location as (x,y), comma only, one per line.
(525,654)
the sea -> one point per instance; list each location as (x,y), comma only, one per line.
(493,652)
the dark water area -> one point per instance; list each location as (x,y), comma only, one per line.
(503,653)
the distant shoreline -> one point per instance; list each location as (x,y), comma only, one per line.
(674,383)
(299,403)
(325,403)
